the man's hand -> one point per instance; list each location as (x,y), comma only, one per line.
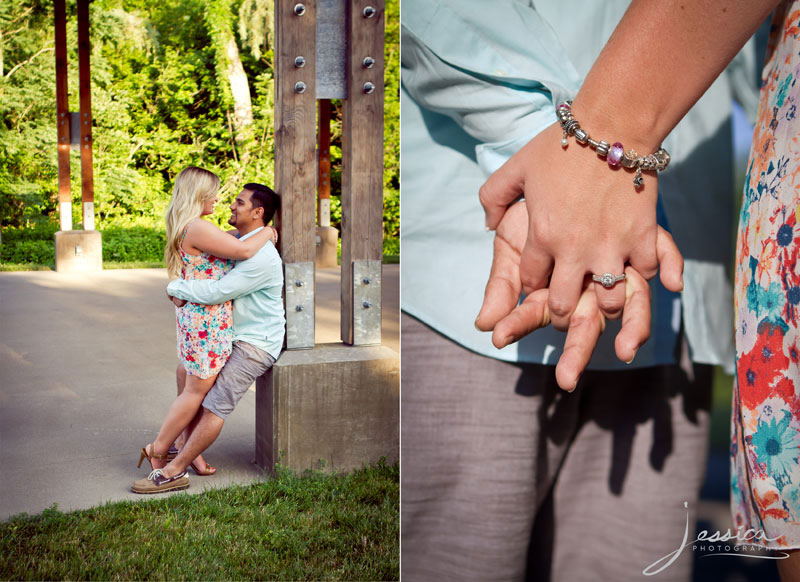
(584,217)
(176,301)
(511,320)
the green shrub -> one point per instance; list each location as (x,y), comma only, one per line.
(121,244)
(136,243)
(40,252)
(32,244)
(37,231)
(36,245)
(391,246)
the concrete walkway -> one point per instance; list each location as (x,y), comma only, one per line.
(87,371)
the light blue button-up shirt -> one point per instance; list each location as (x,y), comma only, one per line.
(479,80)
(255,285)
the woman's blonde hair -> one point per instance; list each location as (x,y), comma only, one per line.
(193,188)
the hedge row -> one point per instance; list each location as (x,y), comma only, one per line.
(120,244)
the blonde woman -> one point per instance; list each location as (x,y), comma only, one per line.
(196,249)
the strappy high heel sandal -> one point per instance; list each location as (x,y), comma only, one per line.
(209,470)
(150,457)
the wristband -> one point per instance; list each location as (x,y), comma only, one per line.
(615,154)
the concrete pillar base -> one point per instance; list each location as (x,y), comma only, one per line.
(334,408)
(79,251)
(327,238)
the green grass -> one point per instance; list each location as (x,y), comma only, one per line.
(25,267)
(109,265)
(311,527)
(133,265)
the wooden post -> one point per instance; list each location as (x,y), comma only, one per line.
(75,250)
(337,403)
(84,52)
(362,159)
(295,167)
(62,116)
(324,163)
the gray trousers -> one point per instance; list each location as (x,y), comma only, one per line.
(506,477)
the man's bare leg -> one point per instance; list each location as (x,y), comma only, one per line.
(199,462)
(180,413)
(789,568)
(180,380)
(204,434)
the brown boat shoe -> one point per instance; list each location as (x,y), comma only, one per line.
(157,482)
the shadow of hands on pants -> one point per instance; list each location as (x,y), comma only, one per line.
(617,401)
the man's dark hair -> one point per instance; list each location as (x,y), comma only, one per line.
(264,197)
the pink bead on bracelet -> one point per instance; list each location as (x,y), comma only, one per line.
(615,154)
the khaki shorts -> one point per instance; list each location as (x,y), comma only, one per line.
(246,363)
(507,477)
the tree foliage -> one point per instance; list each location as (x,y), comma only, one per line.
(161,100)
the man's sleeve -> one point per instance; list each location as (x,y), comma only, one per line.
(246,277)
(495,68)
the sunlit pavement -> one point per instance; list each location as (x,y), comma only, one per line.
(87,371)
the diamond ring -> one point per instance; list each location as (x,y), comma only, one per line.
(608,280)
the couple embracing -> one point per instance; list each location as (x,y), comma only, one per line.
(226,287)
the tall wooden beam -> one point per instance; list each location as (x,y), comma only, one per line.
(295,167)
(337,403)
(62,116)
(362,162)
(324,163)
(84,52)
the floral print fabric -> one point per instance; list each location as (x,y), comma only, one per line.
(766,405)
(205,332)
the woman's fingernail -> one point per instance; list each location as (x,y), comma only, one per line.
(633,356)
(476,324)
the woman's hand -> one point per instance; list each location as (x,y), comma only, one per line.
(585,218)
(274,236)
(511,320)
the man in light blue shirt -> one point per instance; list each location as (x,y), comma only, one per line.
(256,286)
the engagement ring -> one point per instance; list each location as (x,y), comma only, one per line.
(608,280)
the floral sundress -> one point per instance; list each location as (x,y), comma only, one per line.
(765,448)
(205,332)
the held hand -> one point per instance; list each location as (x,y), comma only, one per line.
(176,301)
(500,310)
(584,218)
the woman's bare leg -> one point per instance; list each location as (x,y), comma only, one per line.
(182,411)
(180,377)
